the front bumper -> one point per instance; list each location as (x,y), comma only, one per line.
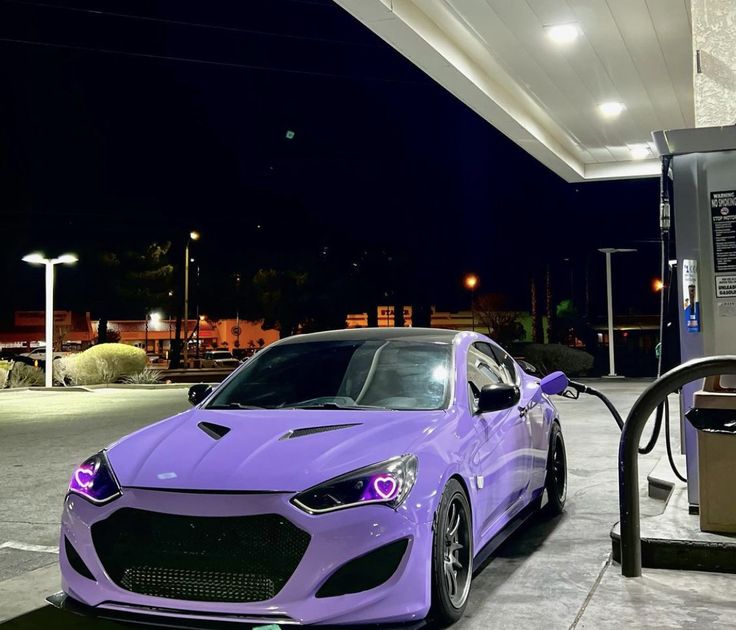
(336,538)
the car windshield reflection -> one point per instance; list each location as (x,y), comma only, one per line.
(343,374)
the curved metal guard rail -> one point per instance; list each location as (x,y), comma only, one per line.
(628,473)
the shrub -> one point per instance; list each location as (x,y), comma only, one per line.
(104,363)
(22,375)
(63,372)
(550,357)
(3,377)
(148,376)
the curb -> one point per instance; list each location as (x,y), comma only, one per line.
(10,390)
(137,386)
(91,388)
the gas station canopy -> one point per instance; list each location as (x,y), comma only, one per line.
(578,84)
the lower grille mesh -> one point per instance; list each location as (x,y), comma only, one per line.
(222,559)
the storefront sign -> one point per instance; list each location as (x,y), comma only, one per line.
(38,318)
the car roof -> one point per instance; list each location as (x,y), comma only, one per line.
(376,334)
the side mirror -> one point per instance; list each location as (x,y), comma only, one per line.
(554,383)
(497,397)
(198,392)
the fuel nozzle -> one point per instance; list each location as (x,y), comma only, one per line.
(664,196)
(664,215)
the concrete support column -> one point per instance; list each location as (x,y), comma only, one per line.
(714,46)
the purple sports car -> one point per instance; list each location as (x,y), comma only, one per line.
(345,477)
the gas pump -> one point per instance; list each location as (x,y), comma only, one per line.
(702,167)
(699,167)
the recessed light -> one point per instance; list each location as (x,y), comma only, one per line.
(639,151)
(563,33)
(611,109)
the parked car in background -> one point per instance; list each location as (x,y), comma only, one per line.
(242,354)
(40,354)
(219,358)
(156,360)
(37,358)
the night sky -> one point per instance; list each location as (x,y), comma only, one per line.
(124,122)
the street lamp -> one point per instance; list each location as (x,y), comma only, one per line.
(609,292)
(193,236)
(471,281)
(39,259)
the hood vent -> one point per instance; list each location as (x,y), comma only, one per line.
(296,433)
(215,431)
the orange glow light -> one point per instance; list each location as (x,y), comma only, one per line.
(657,285)
(471,281)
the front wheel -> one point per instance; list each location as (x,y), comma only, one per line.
(556,481)
(452,555)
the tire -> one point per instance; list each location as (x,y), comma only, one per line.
(556,480)
(452,555)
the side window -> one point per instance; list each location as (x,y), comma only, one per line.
(482,370)
(502,362)
(507,363)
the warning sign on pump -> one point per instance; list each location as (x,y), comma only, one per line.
(723,222)
(726,286)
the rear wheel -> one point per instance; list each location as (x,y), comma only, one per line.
(452,555)
(556,480)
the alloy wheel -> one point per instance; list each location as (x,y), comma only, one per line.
(457,560)
(558,469)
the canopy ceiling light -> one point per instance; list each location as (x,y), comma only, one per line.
(563,33)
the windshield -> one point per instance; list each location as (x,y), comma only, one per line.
(376,374)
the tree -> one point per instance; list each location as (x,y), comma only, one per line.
(131,283)
(570,325)
(281,297)
(502,325)
(113,336)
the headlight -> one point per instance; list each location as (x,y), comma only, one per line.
(94,480)
(388,482)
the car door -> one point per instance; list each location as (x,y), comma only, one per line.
(503,450)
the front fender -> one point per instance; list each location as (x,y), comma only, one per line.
(448,453)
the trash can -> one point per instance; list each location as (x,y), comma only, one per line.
(714,416)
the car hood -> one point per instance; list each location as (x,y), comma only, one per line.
(263,450)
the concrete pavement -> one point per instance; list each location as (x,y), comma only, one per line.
(43,436)
(554,573)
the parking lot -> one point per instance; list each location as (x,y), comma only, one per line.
(556,573)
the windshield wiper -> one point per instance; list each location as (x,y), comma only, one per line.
(234,405)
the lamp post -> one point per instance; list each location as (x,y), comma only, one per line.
(609,293)
(471,281)
(39,259)
(193,236)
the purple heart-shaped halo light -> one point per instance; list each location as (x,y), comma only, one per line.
(94,480)
(386,487)
(84,477)
(387,482)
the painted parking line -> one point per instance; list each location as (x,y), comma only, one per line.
(13,544)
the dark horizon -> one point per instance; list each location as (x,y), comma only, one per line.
(148,119)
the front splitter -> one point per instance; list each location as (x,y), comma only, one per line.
(161,618)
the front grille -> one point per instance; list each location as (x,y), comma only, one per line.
(199,558)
